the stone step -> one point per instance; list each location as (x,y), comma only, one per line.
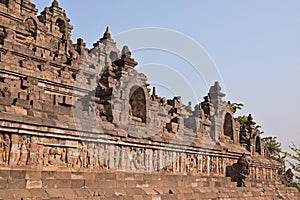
(18,184)
(163,193)
(77,183)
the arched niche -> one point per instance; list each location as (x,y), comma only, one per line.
(113,55)
(31,27)
(61,25)
(137,105)
(228,126)
(258,145)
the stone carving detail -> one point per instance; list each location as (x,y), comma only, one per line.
(31,27)
(23,151)
(174,118)
(35,152)
(207,107)
(5,90)
(82,159)
(4,149)
(192,163)
(205,164)
(10,35)
(213,165)
(250,137)
(245,137)
(45,75)
(240,170)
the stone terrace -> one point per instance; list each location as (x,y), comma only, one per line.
(79,123)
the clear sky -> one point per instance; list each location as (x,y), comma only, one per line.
(254,44)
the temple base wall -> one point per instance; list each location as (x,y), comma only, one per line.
(33,185)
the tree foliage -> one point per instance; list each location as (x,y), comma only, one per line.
(296,185)
(295,160)
(259,128)
(241,119)
(275,151)
(237,106)
(274,148)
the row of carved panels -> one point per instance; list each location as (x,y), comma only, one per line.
(21,150)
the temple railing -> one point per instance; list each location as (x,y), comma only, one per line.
(22,147)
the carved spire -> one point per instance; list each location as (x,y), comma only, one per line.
(126,62)
(250,120)
(107,34)
(55,4)
(154,95)
(126,52)
(215,92)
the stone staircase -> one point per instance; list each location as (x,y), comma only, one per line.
(48,185)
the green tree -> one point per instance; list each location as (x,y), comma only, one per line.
(237,106)
(296,185)
(241,119)
(275,151)
(295,160)
(259,128)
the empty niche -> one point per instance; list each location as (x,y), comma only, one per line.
(61,25)
(31,27)
(257,145)
(228,127)
(137,104)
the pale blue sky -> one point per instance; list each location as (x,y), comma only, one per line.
(255,45)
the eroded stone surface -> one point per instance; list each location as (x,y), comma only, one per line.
(65,108)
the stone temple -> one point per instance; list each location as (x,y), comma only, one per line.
(79,123)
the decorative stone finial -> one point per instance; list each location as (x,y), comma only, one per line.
(126,62)
(154,91)
(55,4)
(107,34)
(153,96)
(250,120)
(215,92)
(126,52)
(217,85)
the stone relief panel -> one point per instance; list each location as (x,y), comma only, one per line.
(5,144)
(38,152)
(205,164)
(23,150)
(192,164)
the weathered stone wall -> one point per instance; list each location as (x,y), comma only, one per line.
(63,97)
(66,107)
(48,184)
